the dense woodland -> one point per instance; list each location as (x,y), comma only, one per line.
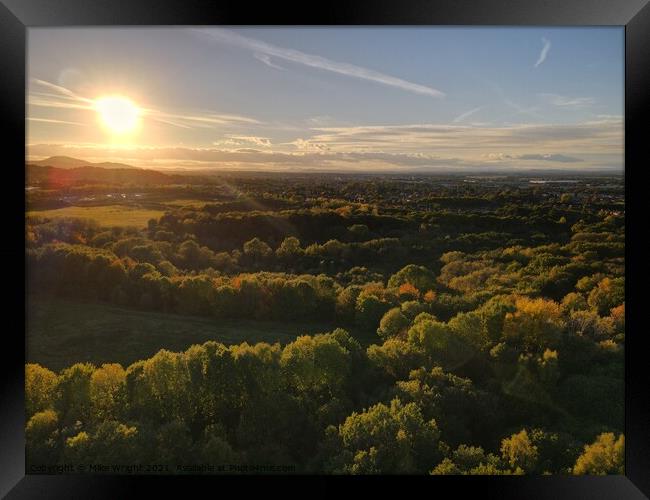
(479,323)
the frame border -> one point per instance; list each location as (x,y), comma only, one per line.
(17,15)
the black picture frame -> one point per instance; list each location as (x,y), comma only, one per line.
(17,15)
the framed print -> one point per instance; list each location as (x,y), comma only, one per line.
(378,240)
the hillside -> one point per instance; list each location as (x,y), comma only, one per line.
(55,177)
(67,162)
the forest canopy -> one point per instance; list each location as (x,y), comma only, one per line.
(476,328)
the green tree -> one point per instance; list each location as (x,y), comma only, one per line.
(439,343)
(289,249)
(391,439)
(41,434)
(73,394)
(257,251)
(396,357)
(392,323)
(314,364)
(369,311)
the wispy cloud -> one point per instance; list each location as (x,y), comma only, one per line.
(58,89)
(241,140)
(534,157)
(314,61)
(530,111)
(542,55)
(64,98)
(206,120)
(247,158)
(467,114)
(51,120)
(567,102)
(266,59)
(420,146)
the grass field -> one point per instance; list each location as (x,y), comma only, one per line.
(63,332)
(108,215)
(186,203)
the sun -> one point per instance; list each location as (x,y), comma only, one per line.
(118,114)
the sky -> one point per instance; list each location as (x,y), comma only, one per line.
(413,99)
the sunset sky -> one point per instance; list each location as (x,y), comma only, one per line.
(344,99)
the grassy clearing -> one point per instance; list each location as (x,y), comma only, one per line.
(108,215)
(63,332)
(186,203)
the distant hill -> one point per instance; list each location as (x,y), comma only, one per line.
(67,162)
(47,176)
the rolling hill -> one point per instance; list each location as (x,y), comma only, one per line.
(55,177)
(67,162)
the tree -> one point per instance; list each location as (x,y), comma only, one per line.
(173,444)
(418,276)
(112,442)
(392,323)
(606,455)
(40,388)
(608,294)
(519,452)
(439,343)
(41,435)
(557,451)
(166,379)
(412,308)
(73,393)
(407,291)
(358,232)
(257,251)
(393,439)
(396,357)
(535,325)
(369,311)
(346,302)
(470,460)
(463,412)
(107,392)
(214,448)
(314,364)
(574,302)
(289,249)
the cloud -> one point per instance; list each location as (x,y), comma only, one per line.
(467,114)
(567,102)
(239,140)
(246,158)
(49,102)
(50,120)
(63,98)
(538,157)
(58,89)
(550,157)
(267,60)
(542,55)
(496,88)
(530,111)
(307,145)
(595,144)
(262,48)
